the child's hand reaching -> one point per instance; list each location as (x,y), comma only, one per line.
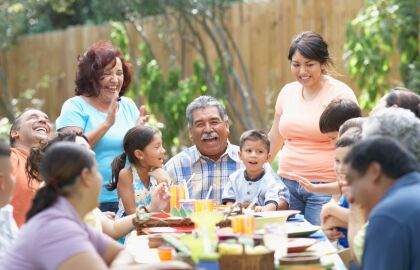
(160,198)
(305,183)
(267,207)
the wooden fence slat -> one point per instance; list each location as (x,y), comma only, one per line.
(262,30)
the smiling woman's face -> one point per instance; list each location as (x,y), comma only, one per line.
(306,71)
(111,81)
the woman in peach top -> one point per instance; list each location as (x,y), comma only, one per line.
(306,151)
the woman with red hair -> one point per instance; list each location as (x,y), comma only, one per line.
(100,110)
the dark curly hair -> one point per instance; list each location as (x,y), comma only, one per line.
(37,153)
(91,68)
(60,168)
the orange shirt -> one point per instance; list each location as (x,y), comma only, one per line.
(306,151)
(22,194)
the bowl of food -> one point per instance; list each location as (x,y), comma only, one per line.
(269,217)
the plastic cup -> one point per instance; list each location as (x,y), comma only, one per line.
(243,224)
(237,224)
(203,206)
(187,204)
(249,226)
(275,238)
(177,193)
(165,253)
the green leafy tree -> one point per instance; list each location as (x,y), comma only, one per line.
(384,30)
(188,19)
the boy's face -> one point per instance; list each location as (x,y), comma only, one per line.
(254,154)
(7,181)
(340,167)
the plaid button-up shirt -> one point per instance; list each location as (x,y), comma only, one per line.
(206,172)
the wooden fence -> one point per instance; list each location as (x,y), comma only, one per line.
(262,30)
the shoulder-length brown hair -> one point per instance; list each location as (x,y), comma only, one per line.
(91,68)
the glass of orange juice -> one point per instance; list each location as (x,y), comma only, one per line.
(177,193)
(249,225)
(203,206)
(237,224)
(244,224)
(165,253)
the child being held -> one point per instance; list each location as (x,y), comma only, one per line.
(252,182)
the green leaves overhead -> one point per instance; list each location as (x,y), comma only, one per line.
(384,33)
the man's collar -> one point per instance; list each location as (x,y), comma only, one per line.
(231,151)
(406,180)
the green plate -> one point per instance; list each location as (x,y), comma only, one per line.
(329,266)
(300,229)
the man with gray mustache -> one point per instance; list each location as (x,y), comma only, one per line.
(207,164)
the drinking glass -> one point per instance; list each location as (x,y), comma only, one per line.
(203,206)
(177,193)
(275,238)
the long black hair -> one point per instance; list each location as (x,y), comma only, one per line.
(60,167)
(136,138)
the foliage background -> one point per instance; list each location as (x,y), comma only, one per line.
(384,35)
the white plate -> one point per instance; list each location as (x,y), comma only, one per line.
(162,229)
(148,256)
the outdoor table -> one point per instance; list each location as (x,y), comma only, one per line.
(138,247)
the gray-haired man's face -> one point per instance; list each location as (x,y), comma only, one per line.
(209,132)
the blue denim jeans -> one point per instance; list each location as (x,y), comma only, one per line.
(109,206)
(309,203)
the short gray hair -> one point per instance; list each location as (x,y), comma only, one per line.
(400,124)
(203,102)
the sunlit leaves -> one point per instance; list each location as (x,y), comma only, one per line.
(383,30)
